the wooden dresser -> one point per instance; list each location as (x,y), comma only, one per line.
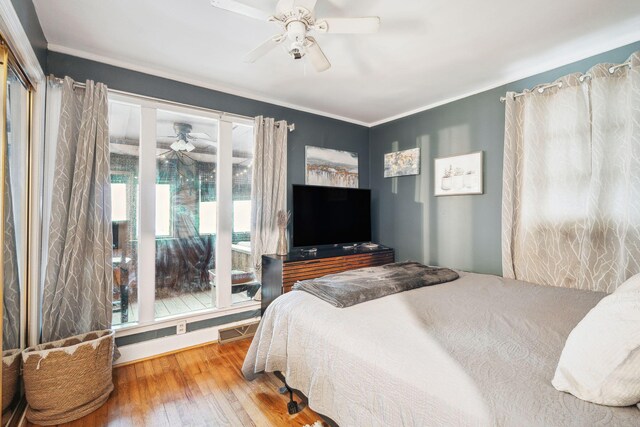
(279,273)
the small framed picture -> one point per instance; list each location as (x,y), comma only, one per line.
(458,175)
(402,163)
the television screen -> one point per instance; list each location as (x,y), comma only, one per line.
(330,215)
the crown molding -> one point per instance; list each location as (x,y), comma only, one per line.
(11,28)
(195,82)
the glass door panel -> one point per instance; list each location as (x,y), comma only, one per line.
(15,191)
(124,147)
(185,244)
(243,281)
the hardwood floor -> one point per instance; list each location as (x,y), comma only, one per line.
(196,387)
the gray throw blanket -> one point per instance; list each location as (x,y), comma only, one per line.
(364,284)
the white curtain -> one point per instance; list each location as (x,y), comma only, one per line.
(268,188)
(571,192)
(78,283)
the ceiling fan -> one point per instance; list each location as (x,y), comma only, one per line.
(296,19)
(184,137)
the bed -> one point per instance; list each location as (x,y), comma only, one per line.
(480,350)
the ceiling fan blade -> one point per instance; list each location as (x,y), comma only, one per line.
(199,135)
(264,48)
(241,8)
(316,56)
(369,24)
(285,6)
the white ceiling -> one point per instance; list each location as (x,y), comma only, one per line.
(426,53)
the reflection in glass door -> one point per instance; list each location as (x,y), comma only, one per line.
(14,207)
(124,147)
(181,210)
(244,285)
(186,212)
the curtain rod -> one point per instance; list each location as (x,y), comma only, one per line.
(78,85)
(582,78)
(291,127)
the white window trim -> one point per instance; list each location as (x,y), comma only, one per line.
(224,197)
(147,217)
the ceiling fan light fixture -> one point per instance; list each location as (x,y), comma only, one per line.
(297,18)
(297,50)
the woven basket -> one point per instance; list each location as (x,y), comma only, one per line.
(10,374)
(68,379)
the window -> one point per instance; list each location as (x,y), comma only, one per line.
(242,216)
(163,210)
(208,209)
(124,135)
(118,202)
(187,146)
(178,249)
(208,220)
(570,192)
(243,273)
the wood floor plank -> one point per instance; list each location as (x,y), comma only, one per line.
(192,302)
(160,309)
(198,387)
(175,305)
(167,395)
(204,298)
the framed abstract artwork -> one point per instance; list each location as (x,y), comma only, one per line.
(402,163)
(331,168)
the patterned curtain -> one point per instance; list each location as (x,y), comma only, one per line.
(269,187)
(11,288)
(78,282)
(571,193)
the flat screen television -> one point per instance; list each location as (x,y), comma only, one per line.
(330,215)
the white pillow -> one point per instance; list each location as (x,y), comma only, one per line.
(600,362)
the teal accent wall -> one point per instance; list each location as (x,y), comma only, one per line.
(463,232)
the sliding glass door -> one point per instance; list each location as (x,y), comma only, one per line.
(181,187)
(16,95)
(186,148)
(243,281)
(124,146)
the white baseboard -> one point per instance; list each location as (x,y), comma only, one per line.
(143,350)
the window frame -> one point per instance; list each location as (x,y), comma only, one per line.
(146,214)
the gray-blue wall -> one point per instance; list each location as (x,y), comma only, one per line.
(456,231)
(27,14)
(311,129)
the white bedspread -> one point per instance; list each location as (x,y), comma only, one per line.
(481,350)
